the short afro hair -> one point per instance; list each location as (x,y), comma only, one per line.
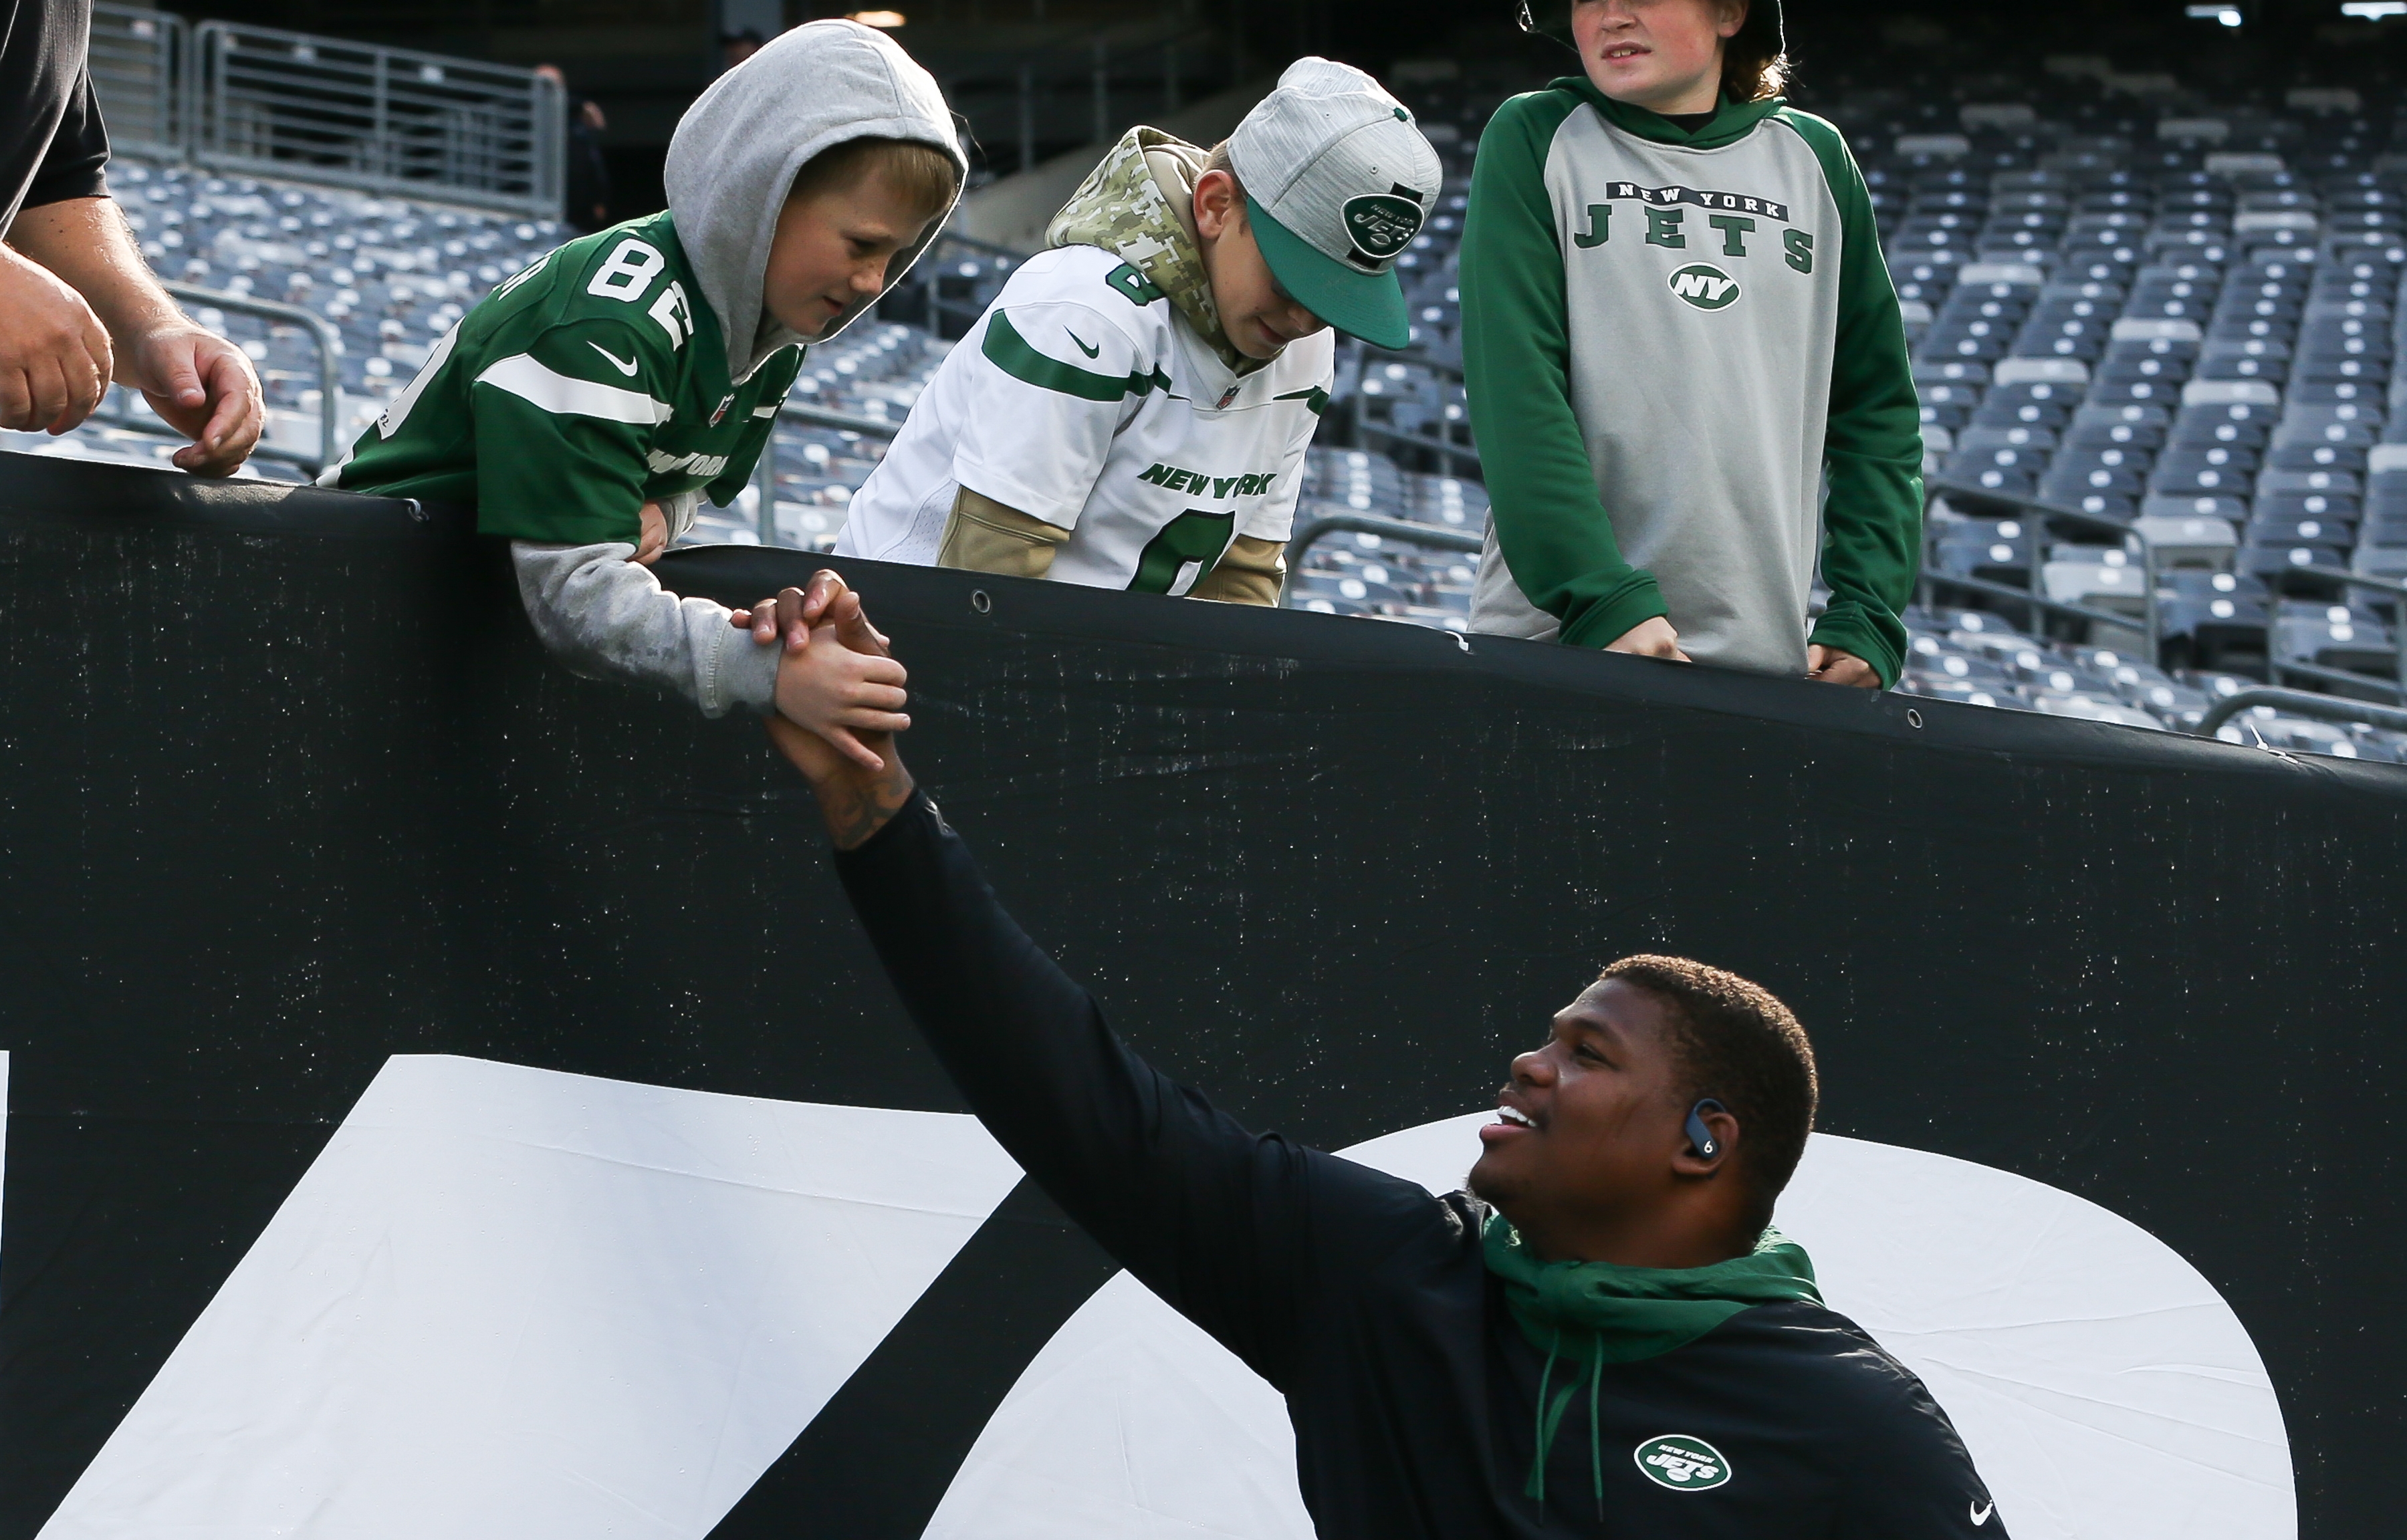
(1738,1044)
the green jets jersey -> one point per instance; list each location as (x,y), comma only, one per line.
(586,385)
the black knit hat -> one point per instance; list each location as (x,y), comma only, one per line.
(1764,23)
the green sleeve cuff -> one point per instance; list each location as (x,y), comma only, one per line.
(1875,635)
(1603,623)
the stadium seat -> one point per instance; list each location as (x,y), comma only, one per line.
(2137,327)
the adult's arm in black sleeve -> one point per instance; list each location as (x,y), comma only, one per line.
(1237,1231)
(76,162)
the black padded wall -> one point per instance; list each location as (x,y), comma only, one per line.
(286,787)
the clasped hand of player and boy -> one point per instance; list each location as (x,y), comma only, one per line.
(837,681)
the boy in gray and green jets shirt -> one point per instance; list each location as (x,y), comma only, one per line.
(1676,323)
(585,406)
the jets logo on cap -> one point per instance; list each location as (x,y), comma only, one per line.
(1380,224)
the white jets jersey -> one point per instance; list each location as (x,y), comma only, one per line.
(1082,398)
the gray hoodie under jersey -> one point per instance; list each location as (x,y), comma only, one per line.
(730,163)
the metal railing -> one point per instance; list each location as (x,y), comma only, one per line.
(139,61)
(764,469)
(2277,666)
(1100,86)
(919,298)
(1935,578)
(323,109)
(1934,488)
(1314,530)
(1453,456)
(329,346)
(382,120)
(2324,708)
(2342,576)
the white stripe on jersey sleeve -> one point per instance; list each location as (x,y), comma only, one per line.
(523,376)
(398,413)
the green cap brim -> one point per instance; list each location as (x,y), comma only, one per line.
(1369,305)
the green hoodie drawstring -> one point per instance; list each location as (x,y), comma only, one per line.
(1551,1422)
(1624,1315)
(1536,1486)
(1595,1450)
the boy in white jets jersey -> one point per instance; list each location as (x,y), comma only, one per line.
(1133,410)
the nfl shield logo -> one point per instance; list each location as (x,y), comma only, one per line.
(724,402)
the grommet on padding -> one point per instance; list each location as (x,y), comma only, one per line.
(980,601)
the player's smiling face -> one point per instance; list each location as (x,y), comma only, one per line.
(1665,55)
(831,250)
(1257,313)
(1589,1136)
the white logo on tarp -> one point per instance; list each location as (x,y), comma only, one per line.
(1705,286)
(1682,1462)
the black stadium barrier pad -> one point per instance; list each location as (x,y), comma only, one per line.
(290,788)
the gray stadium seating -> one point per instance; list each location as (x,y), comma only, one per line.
(2187,339)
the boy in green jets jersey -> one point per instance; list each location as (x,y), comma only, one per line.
(1677,330)
(587,404)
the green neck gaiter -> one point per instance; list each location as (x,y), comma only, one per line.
(1595,1313)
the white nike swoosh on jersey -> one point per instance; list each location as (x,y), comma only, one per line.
(524,376)
(1981,1515)
(624,366)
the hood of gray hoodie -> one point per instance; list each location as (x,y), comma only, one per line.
(735,151)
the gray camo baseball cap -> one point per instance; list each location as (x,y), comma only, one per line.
(1338,181)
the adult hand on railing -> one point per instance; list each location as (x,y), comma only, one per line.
(1651,638)
(1830,666)
(54,353)
(200,384)
(203,386)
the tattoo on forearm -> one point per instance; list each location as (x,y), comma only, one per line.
(855,809)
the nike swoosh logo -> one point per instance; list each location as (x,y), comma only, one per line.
(1090,352)
(624,366)
(1981,1515)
